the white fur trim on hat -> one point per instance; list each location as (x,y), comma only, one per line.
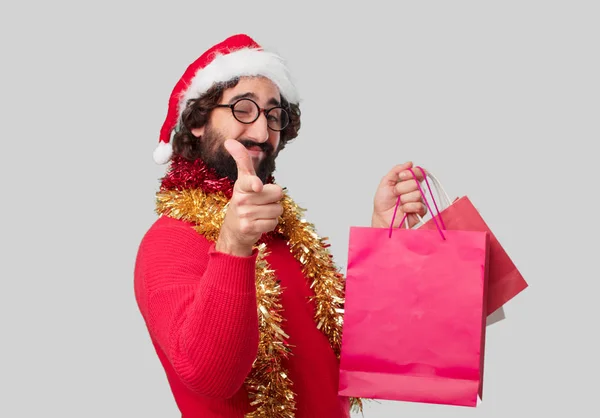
(243,62)
(162,153)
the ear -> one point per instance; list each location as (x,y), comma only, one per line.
(197,132)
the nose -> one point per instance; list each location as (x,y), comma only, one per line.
(258,130)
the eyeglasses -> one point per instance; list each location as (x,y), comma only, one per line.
(247,111)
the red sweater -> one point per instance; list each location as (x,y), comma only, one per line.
(199,306)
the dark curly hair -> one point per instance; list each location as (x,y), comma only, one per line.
(197,112)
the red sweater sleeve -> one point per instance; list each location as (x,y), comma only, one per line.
(200,307)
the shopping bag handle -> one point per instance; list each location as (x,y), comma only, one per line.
(441,192)
(425,175)
(426,203)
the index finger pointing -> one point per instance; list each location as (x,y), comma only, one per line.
(241,157)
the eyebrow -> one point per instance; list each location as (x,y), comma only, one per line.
(250,95)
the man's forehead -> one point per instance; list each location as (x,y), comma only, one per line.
(251,95)
(255,88)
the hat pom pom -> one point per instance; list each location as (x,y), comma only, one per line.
(162,153)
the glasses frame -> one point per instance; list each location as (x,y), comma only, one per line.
(260,110)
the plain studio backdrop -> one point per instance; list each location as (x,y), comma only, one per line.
(499,99)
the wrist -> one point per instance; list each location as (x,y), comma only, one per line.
(377,222)
(229,246)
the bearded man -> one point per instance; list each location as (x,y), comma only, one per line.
(241,299)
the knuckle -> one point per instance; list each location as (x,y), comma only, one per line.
(242,199)
(243,212)
(409,197)
(414,196)
(409,208)
(273,225)
(245,227)
(277,192)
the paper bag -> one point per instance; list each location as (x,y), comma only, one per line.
(504,281)
(414,322)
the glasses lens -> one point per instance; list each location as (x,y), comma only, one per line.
(245,111)
(277,118)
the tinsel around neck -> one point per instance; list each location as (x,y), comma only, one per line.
(184,174)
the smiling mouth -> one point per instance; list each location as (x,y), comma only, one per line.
(255,152)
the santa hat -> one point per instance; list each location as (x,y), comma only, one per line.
(236,56)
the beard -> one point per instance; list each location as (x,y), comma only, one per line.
(215,156)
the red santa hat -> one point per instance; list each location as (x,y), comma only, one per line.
(236,56)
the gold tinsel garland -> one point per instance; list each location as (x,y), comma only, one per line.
(269,387)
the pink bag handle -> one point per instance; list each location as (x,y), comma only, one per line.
(426,203)
(425,175)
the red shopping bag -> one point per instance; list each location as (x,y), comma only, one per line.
(504,281)
(414,321)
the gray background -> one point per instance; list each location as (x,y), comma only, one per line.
(499,99)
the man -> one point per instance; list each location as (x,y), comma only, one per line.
(240,297)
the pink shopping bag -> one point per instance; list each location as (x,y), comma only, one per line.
(414,322)
(504,280)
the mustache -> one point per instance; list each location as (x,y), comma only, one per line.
(264,146)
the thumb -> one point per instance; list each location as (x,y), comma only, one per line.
(241,157)
(394,174)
